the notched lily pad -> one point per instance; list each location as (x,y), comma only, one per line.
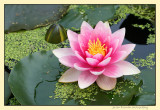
(147,94)
(45,95)
(121,95)
(29,72)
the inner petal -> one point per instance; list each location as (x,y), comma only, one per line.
(95,47)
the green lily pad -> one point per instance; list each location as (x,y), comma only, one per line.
(144,99)
(72,20)
(121,95)
(100,13)
(27,17)
(6,88)
(147,95)
(90,13)
(29,72)
(45,95)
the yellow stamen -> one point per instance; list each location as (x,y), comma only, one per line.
(96,47)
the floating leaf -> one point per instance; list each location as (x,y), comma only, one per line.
(144,99)
(6,88)
(89,13)
(147,96)
(100,13)
(56,34)
(29,72)
(72,20)
(19,17)
(121,95)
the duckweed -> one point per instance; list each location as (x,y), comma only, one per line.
(147,62)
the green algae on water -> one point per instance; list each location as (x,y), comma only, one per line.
(66,91)
(148,62)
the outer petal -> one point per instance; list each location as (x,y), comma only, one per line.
(92,61)
(106,83)
(120,68)
(104,62)
(119,35)
(61,52)
(86,79)
(82,66)
(97,70)
(127,48)
(108,27)
(69,60)
(118,56)
(73,39)
(86,29)
(71,75)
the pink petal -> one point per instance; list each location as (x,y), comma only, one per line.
(82,66)
(127,48)
(86,29)
(88,55)
(92,62)
(73,39)
(112,70)
(108,27)
(118,56)
(80,56)
(72,36)
(71,75)
(104,62)
(69,60)
(119,35)
(61,52)
(97,70)
(109,53)
(120,68)
(83,42)
(104,30)
(106,83)
(98,56)
(86,79)
(114,45)
(101,32)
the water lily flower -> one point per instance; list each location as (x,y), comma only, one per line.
(96,55)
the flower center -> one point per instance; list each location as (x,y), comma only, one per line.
(96,47)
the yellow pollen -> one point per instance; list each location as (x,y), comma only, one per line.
(96,47)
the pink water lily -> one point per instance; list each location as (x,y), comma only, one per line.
(96,55)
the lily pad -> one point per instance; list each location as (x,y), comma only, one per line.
(27,17)
(6,88)
(29,72)
(147,95)
(121,95)
(45,95)
(72,20)
(100,13)
(90,13)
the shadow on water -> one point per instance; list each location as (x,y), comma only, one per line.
(134,34)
